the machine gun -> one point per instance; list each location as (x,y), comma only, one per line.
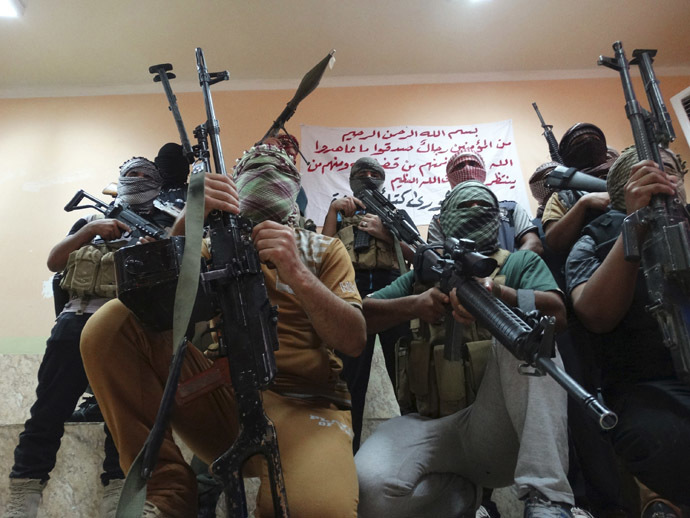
(548,135)
(120,211)
(665,249)
(233,282)
(570,178)
(528,337)
(397,221)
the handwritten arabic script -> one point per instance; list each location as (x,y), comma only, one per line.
(414,159)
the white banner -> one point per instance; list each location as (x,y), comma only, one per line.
(414,158)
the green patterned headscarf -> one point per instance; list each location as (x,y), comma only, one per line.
(619,174)
(268,184)
(479,223)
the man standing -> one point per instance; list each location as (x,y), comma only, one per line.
(85,255)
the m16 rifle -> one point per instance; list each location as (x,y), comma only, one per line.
(665,248)
(120,211)
(550,138)
(528,337)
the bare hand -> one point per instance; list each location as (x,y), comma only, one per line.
(347,205)
(460,314)
(372,225)
(597,200)
(220,193)
(145,239)
(108,229)
(431,305)
(276,246)
(646,179)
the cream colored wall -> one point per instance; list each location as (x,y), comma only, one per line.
(52,147)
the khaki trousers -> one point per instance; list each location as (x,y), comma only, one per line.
(127,367)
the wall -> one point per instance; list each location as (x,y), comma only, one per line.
(52,147)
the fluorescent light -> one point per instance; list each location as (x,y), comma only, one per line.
(11,8)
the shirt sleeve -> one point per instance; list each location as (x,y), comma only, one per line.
(400,287)
(522,222)
(338,275)
(554,210)
(581,264)
(525,270)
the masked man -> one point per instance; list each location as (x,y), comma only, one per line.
(86,256)
(478,422)
(372,250)
(312,282)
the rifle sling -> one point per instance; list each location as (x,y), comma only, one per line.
(133,496)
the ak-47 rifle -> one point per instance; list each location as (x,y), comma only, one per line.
(120,211)
(528,337)
(665,249)
(548,135)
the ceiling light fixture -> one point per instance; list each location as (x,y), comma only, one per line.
(11,8)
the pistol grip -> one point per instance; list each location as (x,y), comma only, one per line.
(631,245)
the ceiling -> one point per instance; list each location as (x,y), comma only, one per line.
(93,47)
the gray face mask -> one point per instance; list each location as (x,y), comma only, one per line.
(357,184)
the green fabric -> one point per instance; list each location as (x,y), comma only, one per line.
(268,184)
(479,223)
(523,270)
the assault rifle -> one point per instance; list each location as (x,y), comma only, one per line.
(570,178)
(528,337)
(550,138)
(120,211)
(665,248)
(397,221)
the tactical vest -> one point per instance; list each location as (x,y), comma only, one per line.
(90,272)
(435,378)
(379,254)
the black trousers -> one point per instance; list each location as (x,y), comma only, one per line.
(653,434)
(61,382)
(356,370)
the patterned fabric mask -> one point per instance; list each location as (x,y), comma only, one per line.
(479,223)
(357,184)
(268,184)
(139,192)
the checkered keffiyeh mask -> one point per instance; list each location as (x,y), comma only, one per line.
(457,174)
(268,184)
(139,192)
(479,223)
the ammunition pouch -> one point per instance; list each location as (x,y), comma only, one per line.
(90,271)
(439,373)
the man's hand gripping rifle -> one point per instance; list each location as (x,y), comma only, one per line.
(120,211)
(665,247)
(528,337)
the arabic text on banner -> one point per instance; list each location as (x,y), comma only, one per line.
(414,158)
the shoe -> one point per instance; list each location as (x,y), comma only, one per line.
(87,412)
(25,497)
(111,497)
(659,509)
(538,506)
